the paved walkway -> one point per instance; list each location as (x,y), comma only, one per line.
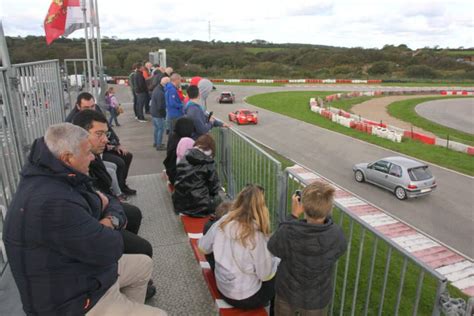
(376,110)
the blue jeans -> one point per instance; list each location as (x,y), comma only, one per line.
(159,127)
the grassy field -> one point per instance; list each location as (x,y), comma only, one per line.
(295,104)
(429,84)
(405,111)
(346,104)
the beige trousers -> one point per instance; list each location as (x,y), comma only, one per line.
(127,296)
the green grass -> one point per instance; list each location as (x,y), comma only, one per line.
(461,53)
(295,104)
(429,84)
(346,104)
(256,50)
(405,111)
(249,84)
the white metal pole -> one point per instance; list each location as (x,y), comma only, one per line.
(5,57)
(89,71)
(99,39)
(94,54)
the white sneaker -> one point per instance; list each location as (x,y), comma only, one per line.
(142,121)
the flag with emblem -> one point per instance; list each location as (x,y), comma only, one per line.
(64,17)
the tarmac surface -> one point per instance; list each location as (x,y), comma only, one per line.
(454,113)
(447,214)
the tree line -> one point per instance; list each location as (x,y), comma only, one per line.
(260,59)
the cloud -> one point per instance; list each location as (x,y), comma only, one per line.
(312,9)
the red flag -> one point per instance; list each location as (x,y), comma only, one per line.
(55,21)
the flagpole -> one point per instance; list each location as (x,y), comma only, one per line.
(5,57)
(99,39)
(89,72)
(94,54)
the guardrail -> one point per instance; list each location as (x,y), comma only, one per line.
(31,99)
(389,268)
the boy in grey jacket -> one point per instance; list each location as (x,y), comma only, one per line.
(308,250)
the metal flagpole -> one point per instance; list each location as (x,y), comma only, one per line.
(89,72)
(94,55)
(99,39)
(4,56)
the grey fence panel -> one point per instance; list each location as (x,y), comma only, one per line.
(240,161)
(31,99)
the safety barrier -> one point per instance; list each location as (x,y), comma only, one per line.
(389,267)
(31,99)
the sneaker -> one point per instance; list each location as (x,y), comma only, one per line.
(161,147)
(122,198)
(142,121)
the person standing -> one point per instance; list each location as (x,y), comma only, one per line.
(113,105)
(141,90)
(158,113)
(131,83)
(174,105)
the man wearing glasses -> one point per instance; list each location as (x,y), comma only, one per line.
(114,152)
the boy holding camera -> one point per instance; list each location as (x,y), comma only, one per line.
(308,249)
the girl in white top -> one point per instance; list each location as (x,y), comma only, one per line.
(245,269)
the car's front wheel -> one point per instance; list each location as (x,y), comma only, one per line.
(400,193)
(359,176)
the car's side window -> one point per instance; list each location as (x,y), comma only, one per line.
(381,166)
(395,171)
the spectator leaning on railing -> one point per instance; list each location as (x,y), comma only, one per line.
(64,252)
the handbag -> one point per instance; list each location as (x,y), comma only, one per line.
(120,109)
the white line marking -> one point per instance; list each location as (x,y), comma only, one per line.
(195,236)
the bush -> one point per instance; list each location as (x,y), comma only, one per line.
(380,68)
(421,71)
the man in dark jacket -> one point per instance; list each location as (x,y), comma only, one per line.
(158,113)
(141,89)
(131,83)
(197,184)
(308,250)
(114,151)
(60,235)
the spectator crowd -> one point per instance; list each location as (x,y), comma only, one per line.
(73,240)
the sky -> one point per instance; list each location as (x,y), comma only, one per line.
(345,23)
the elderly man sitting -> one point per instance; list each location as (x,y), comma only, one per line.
(61,239)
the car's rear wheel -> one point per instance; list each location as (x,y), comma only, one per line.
(359,176)
(400,193)
(230,118)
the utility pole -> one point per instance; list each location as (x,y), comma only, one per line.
(209,30)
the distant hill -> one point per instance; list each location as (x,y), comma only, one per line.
(261,59)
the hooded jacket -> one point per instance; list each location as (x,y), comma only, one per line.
(184,127)
(202,125)
(308,253)
(196,183)
(62,259)
(174,105)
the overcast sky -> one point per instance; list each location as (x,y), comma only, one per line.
(365,23)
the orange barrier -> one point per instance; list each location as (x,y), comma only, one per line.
(375,123)
(344,114)
(470,151)
(421,137)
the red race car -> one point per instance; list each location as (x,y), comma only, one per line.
(244,117)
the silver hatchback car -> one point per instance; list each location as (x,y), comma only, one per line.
(406,178)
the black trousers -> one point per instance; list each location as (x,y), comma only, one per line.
(262,298)
(123,165)
(134,244)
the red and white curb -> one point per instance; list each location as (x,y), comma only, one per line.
(456,268)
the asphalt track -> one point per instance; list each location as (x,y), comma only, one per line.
(454,113)
(447,214)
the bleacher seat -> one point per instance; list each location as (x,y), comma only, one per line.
(194,228)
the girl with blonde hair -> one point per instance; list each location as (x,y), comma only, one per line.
(244,268)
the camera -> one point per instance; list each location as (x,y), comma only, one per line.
(298,194)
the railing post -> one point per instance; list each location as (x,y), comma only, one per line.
(439,291)
(282,189)
(227,154)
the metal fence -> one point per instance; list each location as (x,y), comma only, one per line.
(240,162)
(375,276)
(31,99)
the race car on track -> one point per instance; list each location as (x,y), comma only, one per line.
(226,97)
(244,116)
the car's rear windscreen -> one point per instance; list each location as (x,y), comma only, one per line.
(420,173)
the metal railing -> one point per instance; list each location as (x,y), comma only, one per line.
(31,99)
(376,276)
(240,161)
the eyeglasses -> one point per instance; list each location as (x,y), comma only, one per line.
(101,134)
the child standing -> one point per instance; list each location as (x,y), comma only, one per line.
(308,250)
(113,105)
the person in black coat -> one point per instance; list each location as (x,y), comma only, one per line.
(184,127)
(308,250)
(114,151)
(197,184)
(158,113)
(58,234)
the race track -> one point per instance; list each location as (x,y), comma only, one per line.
(454,113)
(447,214)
